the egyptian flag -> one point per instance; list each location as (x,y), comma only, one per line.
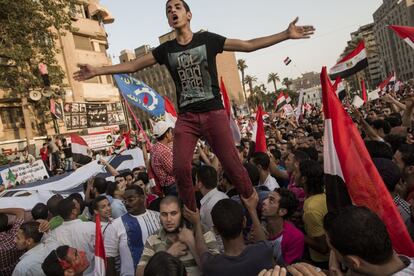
(281,101)
(170,113)
(288,99)
(100,256)
(364,92)
(287,61)
(229,110)
(405,32)
(352,63)
(339,88)
(388,82)
(351,176)
(260,133)
(81,152)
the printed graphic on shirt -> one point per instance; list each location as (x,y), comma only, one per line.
(194,83)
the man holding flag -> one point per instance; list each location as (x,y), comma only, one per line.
(191,61)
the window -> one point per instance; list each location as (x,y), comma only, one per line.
(94,80)
(12,117)
(78,11)
(82,43)
(102,48)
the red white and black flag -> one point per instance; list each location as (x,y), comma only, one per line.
(81,152)
(405,32)
(287,61)
(351,176)
(281,101)
(352,63)
(339,88)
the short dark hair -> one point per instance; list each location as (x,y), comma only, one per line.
(207,175)
(40,211)
(287,201)
(31,231)
(97,200)
(228,218)
(366,237)
(262,159)
(407,152)
(120,175)
(143,176)
(388,171)
(79,199)
(111,188)
(276,153)
(171,199)
(300,156)
(393,121)
(311,152)
(253,173)
(127,173)
(395,141)
(186,6)
(314,174)
(163,263)
(378,149)
(99,183)
(162,137)
(51,265)
(52,204)
(65,208)
(136,189)
(382,124)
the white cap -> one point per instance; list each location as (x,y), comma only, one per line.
(160,128)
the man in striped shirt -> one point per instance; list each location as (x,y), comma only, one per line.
(127,235)
(175,239)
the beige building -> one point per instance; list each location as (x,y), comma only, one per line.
(395,54)
(306,81)
(87,44)
(158,77)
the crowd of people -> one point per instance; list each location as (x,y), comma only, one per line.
(222,209)
(284,227)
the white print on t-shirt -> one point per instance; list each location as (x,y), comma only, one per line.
(194,82)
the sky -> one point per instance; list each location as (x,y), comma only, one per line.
(140,22)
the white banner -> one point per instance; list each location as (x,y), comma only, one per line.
(99,140)
(23,174)
(28,196)
(299,108)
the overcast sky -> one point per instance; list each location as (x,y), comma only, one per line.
(139,22)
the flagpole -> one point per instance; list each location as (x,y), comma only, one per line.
(138,123)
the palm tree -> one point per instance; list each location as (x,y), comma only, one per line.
(287,82)
(273,77)
(250,80)
(242,66)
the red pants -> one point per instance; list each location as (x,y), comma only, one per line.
(214,127)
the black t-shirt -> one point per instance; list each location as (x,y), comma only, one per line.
(194,71)
(251,261)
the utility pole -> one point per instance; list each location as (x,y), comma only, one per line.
(28,125)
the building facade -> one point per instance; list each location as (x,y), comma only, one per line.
(306,81)
(313,95)
(90,106)
(395,54)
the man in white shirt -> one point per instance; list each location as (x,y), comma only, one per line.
(206,184)
(127,235)
(30,239)
(75,233)
(262,161)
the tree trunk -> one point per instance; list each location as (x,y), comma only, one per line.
(274,83)
(28,125)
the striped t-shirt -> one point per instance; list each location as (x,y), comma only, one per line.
(116,240)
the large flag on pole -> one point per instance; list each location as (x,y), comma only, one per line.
(229,110)
(348,163)
(100,257)
(339,88)
(140,95)
(281,101)
(405,32)
(260,134)
(352,63)
(383,87)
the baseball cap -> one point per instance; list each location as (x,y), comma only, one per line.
(160,128)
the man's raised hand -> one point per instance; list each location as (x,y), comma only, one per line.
(299,32)
(86,72)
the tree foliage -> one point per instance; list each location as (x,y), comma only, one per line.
(28,35)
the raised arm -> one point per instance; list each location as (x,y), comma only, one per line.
(88,71)
(292,32)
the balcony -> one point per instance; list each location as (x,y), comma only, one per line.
(89,27)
